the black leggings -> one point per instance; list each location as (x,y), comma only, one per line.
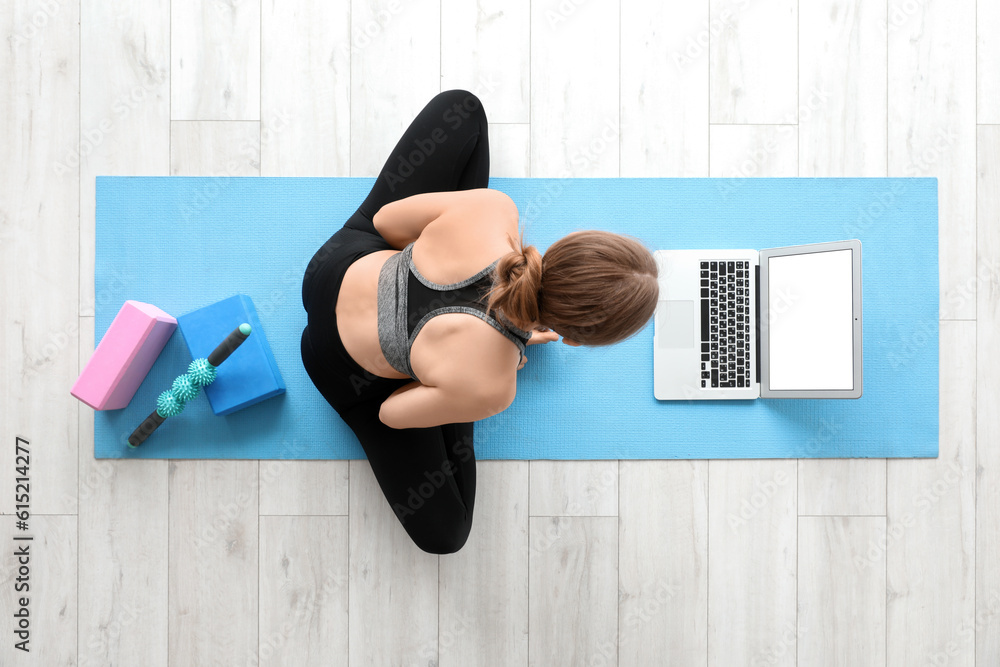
(428,475)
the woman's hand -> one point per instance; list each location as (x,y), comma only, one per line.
(538,335)
(542,335)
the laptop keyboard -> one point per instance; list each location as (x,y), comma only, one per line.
(725,323)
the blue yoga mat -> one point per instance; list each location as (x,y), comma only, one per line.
(182,243)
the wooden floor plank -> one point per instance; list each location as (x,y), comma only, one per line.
(663,563)
(932,131)
(393,587)
(987,625)
(215,60)
(842,88)
(745,151)
(123,550)
(752,541)
(574,488)
(566,39)
(305,97)
(753,61)
(39,248)
(930,547)
(988,61)
(573,591)
(213,566)
(123,504)
(664,88)
(303,591)
(841,606)
(39,582)
(395,71)
(485,49)
(484,587)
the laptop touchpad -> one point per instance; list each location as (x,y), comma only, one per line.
(675,324)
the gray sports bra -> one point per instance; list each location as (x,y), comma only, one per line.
(407,301)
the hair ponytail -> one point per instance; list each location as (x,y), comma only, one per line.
(600,287)
(517,281)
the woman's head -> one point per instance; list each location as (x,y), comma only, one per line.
(592,287)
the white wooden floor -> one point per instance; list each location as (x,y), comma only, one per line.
(721,563)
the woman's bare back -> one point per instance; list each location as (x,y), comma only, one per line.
(456,245)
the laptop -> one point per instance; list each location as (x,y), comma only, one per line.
(746,324)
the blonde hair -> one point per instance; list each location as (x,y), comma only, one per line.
(593,287)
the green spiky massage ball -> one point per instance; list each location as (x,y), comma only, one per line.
(201,372)
(168,405)
(184,388)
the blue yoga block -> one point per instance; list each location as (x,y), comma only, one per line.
(250,374)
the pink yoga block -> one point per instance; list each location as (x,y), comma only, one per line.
(124,356)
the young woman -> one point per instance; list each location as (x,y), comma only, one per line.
(421,306)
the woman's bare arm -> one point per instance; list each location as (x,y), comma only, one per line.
(469,372)
(419,406)
(401,222)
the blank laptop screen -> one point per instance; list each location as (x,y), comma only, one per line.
(810,330)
